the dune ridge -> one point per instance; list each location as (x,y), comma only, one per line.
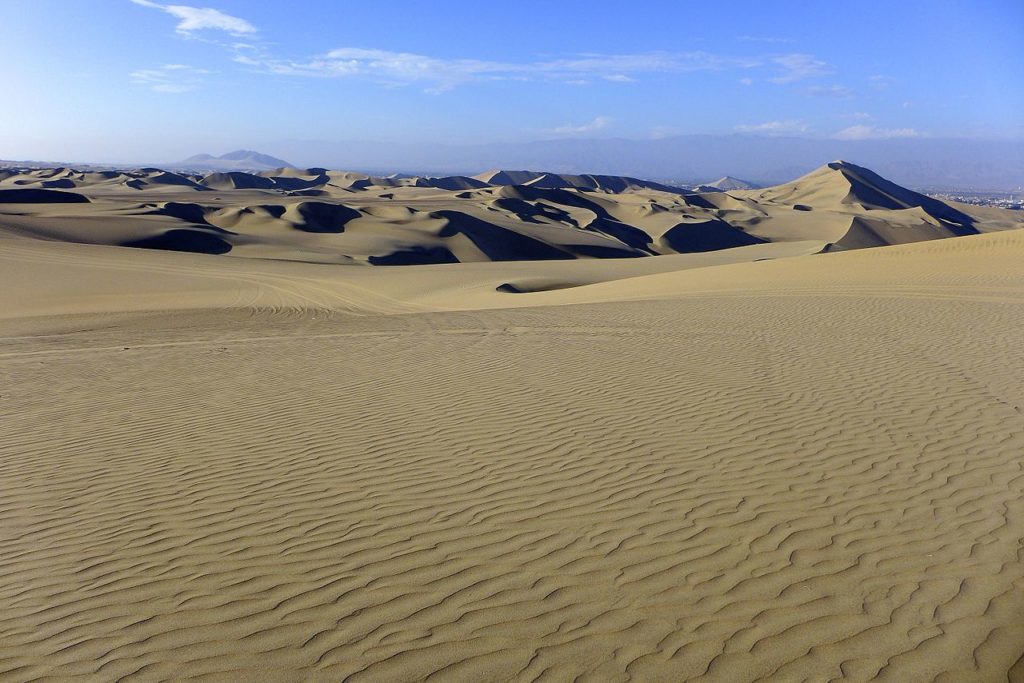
(494,216)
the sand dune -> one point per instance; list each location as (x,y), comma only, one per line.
(494,216)
(756,463)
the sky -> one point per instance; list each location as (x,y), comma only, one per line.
(142,80)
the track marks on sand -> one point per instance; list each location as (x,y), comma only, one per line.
(696,490)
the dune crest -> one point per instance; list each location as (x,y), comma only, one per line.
(494,216)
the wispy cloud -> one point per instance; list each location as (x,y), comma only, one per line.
(170,78)
(866,132)
(788,127)
(763,39)
(798,66)
(192,19)
(880,82)
(591,126)
(438,74)
(839,92)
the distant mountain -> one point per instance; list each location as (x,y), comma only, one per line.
(239,160)
(538,179)
(726,183)
(918,162)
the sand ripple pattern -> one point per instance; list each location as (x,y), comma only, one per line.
(710,489)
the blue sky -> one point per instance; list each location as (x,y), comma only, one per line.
(141,80)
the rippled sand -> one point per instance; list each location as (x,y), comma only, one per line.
(801,469)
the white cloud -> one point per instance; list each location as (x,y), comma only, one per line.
(864,132)
(404,68)
(597,124)
(797,66)
(839,92)
(763,39)
(170,78)
(172,88)
(880,82)
(746,81)
(201,18)
(788,127)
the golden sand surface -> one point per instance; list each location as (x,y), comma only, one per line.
(690,467)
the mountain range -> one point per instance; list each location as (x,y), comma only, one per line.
(918,162)
(239,160)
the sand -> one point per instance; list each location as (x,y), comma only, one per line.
(318,216)
(709,467)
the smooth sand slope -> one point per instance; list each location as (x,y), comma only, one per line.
(663,469)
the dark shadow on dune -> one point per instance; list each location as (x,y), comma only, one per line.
(529,287)
(193,213)
(156,176)
(508,289)
(497,243)
(802,207)
(237,180)
(415,256)
(322,217)
(558,196)
(627,234)
(603,223)
(197,241)
(275,210)
(298,184)
(36,196)
(687,238)
(452,183)
(873,191)
(309,193)
(63,183)
(529,212)
(699,202)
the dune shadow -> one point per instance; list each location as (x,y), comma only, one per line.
(38,196)
(530,286)
(497,243)
(415,256)
(322,217)
(196,241)
(686,238)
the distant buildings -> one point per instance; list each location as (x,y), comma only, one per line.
(1003,200)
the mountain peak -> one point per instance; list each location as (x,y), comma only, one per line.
(239,160)
(730,183)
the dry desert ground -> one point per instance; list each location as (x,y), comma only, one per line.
(245,453)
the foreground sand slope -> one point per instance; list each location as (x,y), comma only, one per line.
(798,469)
(41,278)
